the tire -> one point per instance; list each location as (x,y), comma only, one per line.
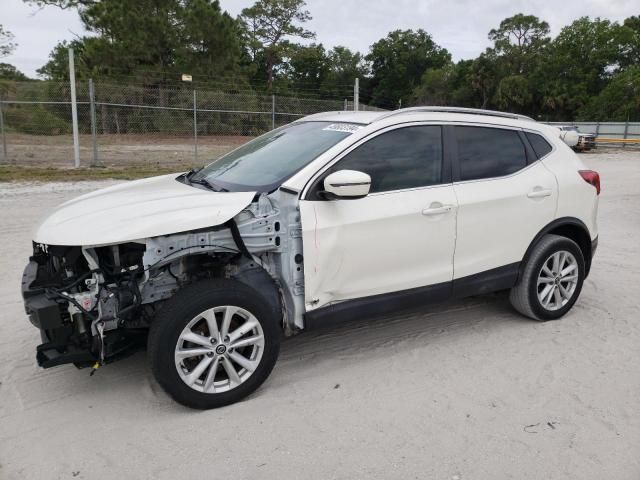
(526,295)
(200,309)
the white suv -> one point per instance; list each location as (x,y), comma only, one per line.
(338,215)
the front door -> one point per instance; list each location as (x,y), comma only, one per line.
(401,236)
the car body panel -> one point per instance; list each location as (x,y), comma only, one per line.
(137,210)
(497,219)
(377,244)
(576,198)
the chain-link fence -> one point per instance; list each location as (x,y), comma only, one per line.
(610,134)
(121,125)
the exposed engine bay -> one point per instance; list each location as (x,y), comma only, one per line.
(94,304)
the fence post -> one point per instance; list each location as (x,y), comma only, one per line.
(5,157)
(92,112)
(356,95)
(626,131)
(273,112)
(195,127)
(74,110)
(345,105)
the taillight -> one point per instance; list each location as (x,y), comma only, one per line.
(592,178)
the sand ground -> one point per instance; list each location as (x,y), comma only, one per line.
(467,390)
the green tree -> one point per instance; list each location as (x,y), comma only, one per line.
(449,85)
(618,101)
(580,63)
(519,40)
(150,41)
(9,72)
(514,93)
(484,77)
(344,66)
(308,67)
(630,34)
(398,63)
(269,26)
(6,42)
(57,67)
(435,87)
(208,39)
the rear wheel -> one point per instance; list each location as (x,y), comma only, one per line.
(552,279)
(213,343)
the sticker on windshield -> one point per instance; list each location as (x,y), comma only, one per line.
(343,127)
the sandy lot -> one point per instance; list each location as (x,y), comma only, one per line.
(118,150)
(467,390)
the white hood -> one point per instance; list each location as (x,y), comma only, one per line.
(137,210)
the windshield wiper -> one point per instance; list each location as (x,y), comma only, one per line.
(192,172)
(206,183)
(202,181)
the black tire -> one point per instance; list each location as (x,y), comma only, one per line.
(524,296)
(176,314)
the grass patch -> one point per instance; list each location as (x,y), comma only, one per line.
(10,173)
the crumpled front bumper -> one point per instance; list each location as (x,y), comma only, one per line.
(52,319)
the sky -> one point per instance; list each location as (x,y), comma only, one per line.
(461,26)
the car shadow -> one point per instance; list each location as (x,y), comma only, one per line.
(130,379)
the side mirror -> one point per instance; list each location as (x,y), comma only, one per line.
(347,184)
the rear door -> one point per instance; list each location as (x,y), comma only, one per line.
(400,236)
(505,197)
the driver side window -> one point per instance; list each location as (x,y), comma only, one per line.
(408,157)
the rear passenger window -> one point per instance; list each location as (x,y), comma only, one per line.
(489,152)
(408,157)
(539,144)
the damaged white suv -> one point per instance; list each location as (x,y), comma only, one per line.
(338,215)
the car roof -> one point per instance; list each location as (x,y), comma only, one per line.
(347,116)
(426,113)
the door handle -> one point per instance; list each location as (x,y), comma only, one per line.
(437,210)
(539,192)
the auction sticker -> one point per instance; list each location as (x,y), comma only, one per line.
(343,127)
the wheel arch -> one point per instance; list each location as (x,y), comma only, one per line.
(248,271)
(568,227)
(257,277)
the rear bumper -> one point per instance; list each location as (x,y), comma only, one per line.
(589,261)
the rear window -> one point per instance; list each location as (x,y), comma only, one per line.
(539,144)
(489,152)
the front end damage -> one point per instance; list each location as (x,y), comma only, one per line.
(94,304)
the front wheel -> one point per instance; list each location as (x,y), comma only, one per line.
(213,343)
(551,280)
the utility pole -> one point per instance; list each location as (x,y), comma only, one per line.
(4,135)
(94,136)
(356,95)
(273,112)
(74,110)
(195,128)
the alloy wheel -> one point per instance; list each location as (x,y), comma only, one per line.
(219,349)
(557,280)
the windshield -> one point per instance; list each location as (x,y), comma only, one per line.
(265,162)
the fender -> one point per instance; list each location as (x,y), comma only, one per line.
(569,227)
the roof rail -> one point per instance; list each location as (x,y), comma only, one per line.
(469,111)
